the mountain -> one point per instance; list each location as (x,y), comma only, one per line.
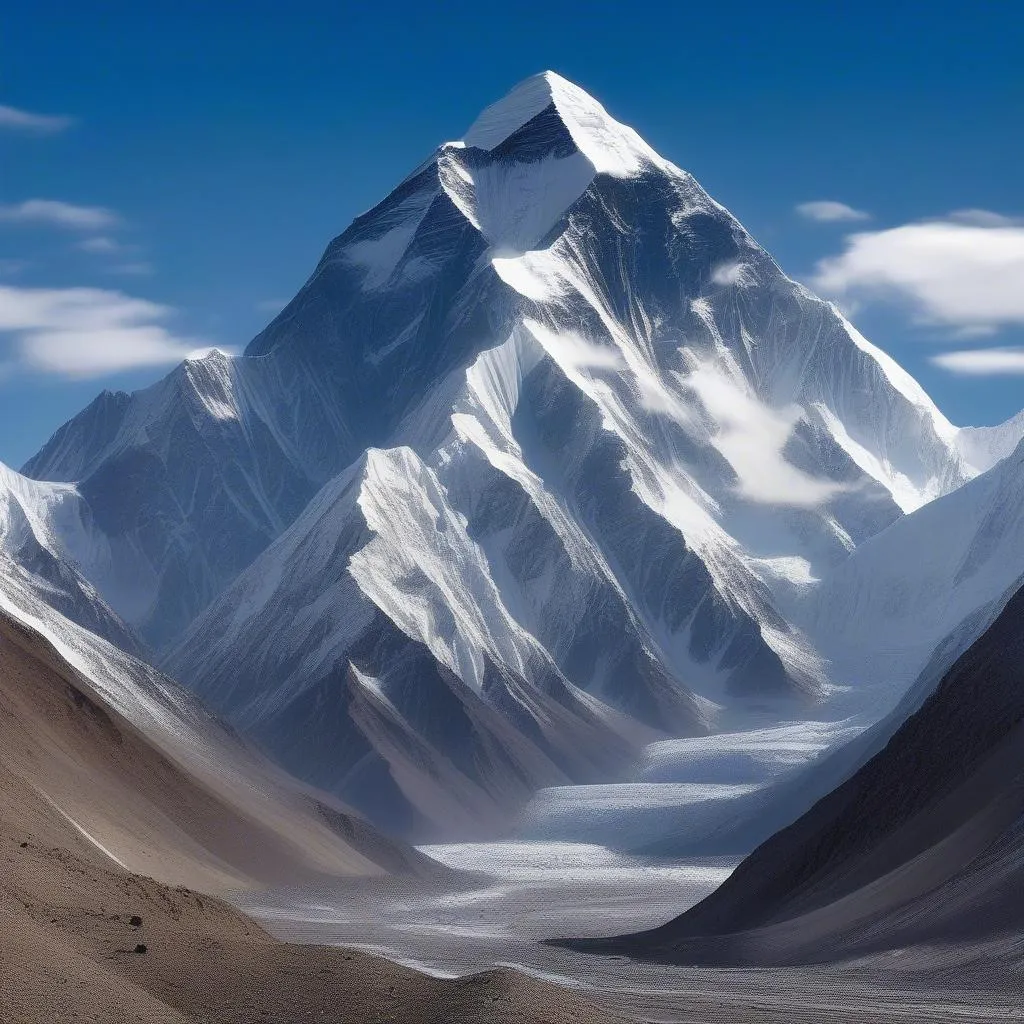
(124,805)
(148,777)
(892,619)
(408,655)
(187,481)
(538,467)
(937,576)
(919,852)
(43,527)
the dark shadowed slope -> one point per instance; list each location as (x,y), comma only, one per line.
(924,845)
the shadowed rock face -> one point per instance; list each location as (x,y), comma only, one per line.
(922,845)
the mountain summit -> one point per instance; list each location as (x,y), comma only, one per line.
(534,469)
(611,148)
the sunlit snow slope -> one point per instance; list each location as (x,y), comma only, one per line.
(47,541)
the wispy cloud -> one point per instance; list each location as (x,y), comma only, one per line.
(574,351)
(830,211)
(137,268)
(12,267)
(119,257)
(55,213)
(271,305)
(983,362)
(963,274)
(13,119)
(740,274)
(753,438)
(87,332)
(101,244)
(985,219)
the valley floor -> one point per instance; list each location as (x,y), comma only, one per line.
(520,893)
(69,951)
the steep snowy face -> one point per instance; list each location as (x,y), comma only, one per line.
(48,544)
(550,209)
(400,662)
(609,147)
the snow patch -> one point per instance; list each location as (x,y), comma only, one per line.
(514,204)
(378,257)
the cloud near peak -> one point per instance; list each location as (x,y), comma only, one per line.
(982,362)
(830,211)
(964,272)
(86,332)
(14,119)
(56,213)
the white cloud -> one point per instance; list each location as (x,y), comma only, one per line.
(962,275)
(830,211)
(983,362)
(86,332)
(100,244)
(55,213)
(740,274)
(752,437)
(13,119)
(138,268)
(570,350)
(271,305)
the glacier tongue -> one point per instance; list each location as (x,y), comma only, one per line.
(547,460)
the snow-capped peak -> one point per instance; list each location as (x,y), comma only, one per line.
(983,447)
(611,147)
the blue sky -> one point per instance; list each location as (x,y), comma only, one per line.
(169,173)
